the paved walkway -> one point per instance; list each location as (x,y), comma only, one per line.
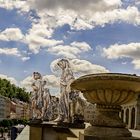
(135,133)
(24,135)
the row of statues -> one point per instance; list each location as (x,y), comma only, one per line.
(69,100)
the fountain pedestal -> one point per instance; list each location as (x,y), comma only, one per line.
(109,91)
(107,125)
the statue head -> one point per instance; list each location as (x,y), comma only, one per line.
(37,75)
(63,64)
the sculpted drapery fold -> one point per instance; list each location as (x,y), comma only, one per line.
(40,96)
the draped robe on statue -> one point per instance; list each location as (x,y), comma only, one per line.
(41,96)
(65,81)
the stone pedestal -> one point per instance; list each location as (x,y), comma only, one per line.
(107,125)
(88,137)
(35,133)
(49,131)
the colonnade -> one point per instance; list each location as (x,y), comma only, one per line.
(130,114)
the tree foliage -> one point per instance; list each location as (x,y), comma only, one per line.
(11,122)
(11,91)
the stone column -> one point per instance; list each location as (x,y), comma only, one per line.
(130,119)
(135,117)
(138,115)
(124,118)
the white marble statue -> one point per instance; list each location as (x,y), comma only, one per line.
(40,96)
(65,90)
(46,101)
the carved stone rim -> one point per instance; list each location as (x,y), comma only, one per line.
(110,76)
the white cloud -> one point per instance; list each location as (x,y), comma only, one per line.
(11,34)
(79,14)
(77,5)
(25,71)
(39,37)
(129,15)
(35,43)
(70,51)
(25,58)
(58,13)
(83,67)
(26,83)
(81,24)
(83,46)
(12,4)
(41,28)
(11,79)
(94,13)
(136,63)
(80,67)
(52,80)
(13,52)
(131,50)
(137,2)
(10,51)
(65,51)
(51,19)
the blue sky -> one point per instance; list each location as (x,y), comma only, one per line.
(102,37)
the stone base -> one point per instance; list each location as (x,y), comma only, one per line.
(49,131)
(86,137)
(35,133)
(71,125)
(106,133)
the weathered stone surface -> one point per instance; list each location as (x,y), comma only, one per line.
(71,125)
(107,132)
(88,137)
(107,116)
(49,131)
(35,133)
(108,91)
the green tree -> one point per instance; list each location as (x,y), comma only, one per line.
(2,132)
(11,91)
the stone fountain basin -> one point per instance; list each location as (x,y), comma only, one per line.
(108,88)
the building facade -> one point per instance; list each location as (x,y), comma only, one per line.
(4,107)
(22,110)
(13,110)
(26,111)
(130,114)
(19,110)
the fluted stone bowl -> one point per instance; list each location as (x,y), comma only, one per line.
(108,88)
